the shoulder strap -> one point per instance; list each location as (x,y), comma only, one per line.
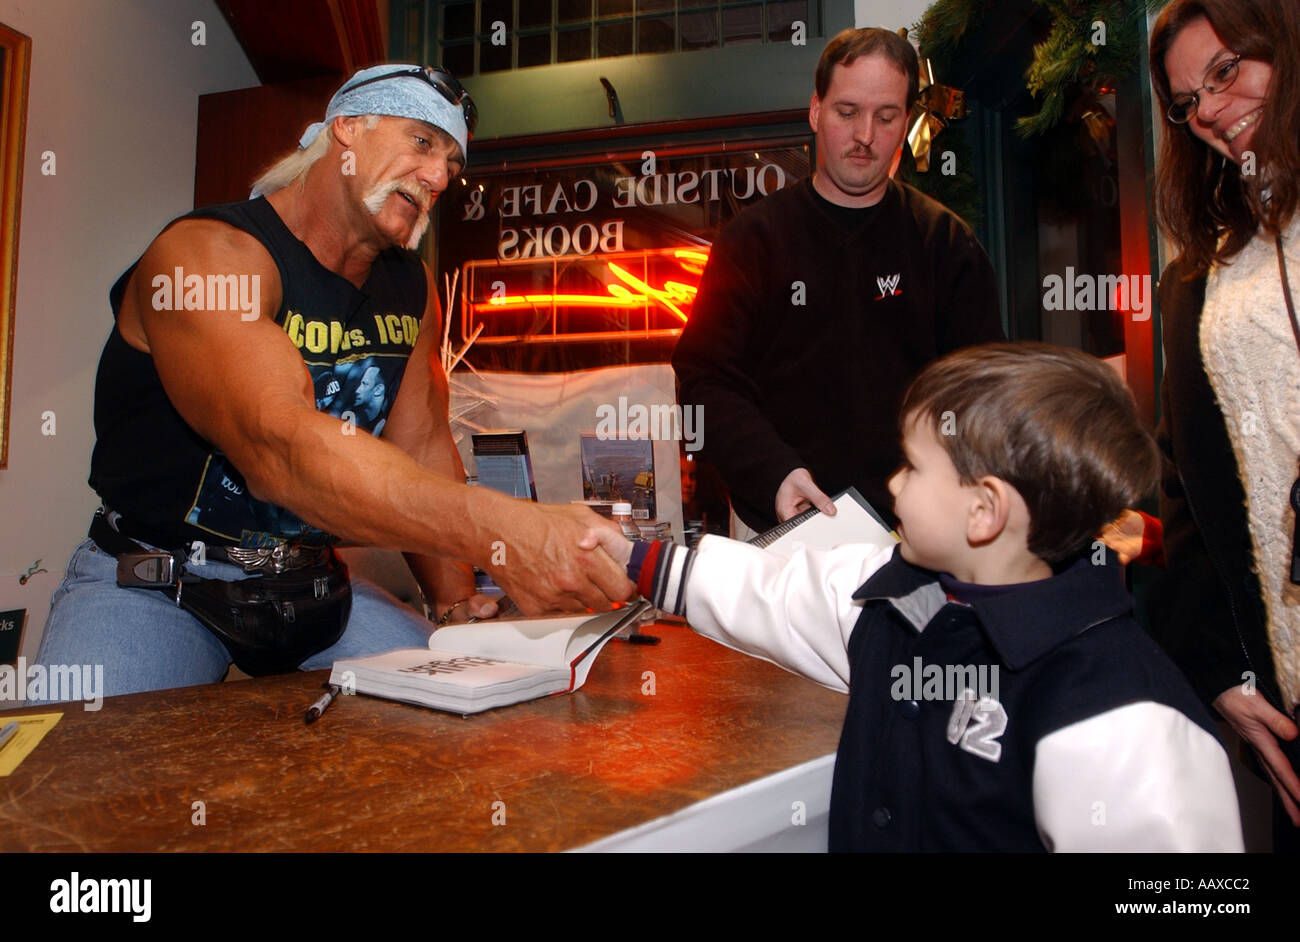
(1286,291)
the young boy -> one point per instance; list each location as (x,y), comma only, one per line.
(1001,696)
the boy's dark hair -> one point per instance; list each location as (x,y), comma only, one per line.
(851,43)
(1056,424)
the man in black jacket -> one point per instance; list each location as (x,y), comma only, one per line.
(821,302)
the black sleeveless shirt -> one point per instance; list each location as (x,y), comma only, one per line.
(170,485)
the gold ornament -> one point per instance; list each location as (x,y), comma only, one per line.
(935,106)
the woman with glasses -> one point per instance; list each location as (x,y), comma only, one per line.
(1227,76)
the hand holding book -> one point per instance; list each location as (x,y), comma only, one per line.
(798,493)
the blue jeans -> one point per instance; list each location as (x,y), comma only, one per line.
(145,642)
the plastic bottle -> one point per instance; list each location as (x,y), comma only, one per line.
(622,515)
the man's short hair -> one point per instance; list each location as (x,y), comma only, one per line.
(851,43)
(1056,424)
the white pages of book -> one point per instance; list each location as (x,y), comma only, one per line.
(470,668)
(855,521)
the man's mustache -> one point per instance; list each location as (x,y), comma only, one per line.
(376,198)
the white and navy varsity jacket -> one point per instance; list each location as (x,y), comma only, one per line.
(1041,718)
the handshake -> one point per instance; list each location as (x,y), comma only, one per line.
(559,557)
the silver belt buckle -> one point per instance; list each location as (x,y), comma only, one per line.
(282,557)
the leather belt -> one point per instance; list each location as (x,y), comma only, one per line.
(109,534)
(269,623)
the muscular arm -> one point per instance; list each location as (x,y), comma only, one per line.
(243,386)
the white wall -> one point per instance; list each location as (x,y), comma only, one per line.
(114,95)
(889,13)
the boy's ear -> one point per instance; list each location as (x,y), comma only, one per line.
(990,510)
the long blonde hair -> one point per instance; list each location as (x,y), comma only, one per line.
(294,165)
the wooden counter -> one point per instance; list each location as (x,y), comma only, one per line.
(376,775)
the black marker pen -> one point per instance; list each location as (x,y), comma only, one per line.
(316,709)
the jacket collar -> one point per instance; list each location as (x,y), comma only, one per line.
(1022,625)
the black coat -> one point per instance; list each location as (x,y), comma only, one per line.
(805,335)
(1207,611)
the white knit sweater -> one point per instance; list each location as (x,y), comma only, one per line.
(1253,364)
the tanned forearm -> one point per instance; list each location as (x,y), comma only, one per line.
(370,492)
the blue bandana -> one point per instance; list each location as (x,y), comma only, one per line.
(402,97)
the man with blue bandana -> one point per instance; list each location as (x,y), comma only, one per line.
(271,388)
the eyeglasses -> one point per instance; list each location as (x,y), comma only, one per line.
(1218,79)
(446,84)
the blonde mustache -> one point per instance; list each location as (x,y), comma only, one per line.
(375,199)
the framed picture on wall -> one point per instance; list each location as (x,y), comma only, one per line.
(15,61)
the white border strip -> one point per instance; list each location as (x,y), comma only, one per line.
(787,811)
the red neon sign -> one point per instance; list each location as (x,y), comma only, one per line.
(632,282)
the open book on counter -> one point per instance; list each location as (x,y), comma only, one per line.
(475,667)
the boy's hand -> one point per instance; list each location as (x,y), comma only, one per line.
(1257,722)
(797,493)
(614,543)
(547,570)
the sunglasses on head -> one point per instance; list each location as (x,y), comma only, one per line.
(446,84)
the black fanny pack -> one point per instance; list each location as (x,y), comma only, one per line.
(269,623)
(272,623)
